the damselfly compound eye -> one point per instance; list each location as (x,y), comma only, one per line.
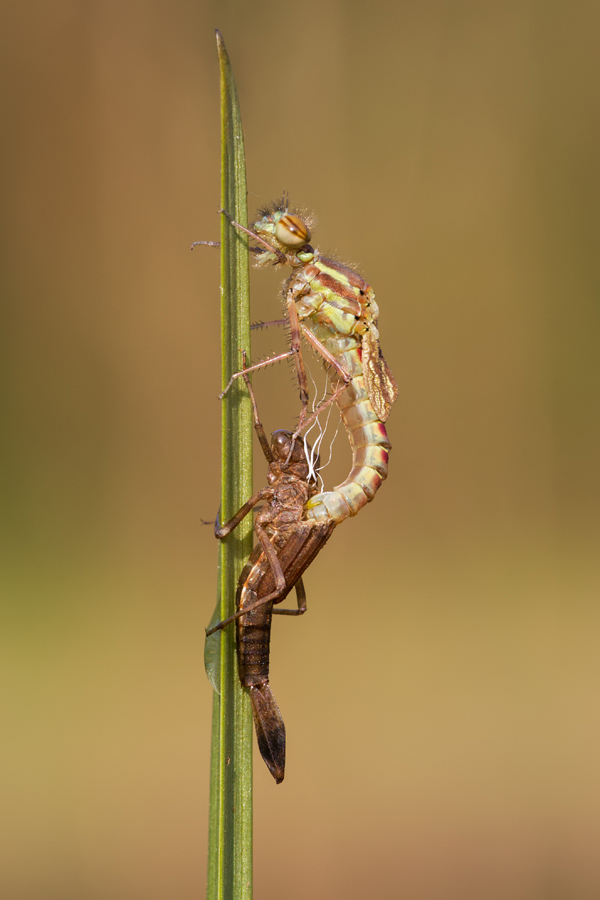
(292,231)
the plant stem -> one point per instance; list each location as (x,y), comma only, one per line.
(230,814)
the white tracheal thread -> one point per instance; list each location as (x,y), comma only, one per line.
(313,456)
(332,442)
(318,446)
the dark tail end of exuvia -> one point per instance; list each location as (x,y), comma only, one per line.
(270,730)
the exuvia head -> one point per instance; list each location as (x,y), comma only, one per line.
(298,462)
(280,444)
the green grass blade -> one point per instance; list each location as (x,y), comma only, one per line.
(230,815)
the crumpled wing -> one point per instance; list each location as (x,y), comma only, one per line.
(379,381)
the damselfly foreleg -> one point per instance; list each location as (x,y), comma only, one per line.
(254,368)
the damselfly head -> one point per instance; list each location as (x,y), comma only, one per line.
(291,231)
(288,232)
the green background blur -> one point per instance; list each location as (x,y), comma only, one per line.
(441,697)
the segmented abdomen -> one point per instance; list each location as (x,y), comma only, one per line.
(254,628)
(368,440)
(254,637)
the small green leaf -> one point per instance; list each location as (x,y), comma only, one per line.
(212,647)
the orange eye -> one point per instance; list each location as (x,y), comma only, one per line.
(291,231)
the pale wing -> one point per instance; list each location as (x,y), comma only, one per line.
(380,383)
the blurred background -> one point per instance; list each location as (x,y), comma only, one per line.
(441,696)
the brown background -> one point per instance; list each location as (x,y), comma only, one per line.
(441,697)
